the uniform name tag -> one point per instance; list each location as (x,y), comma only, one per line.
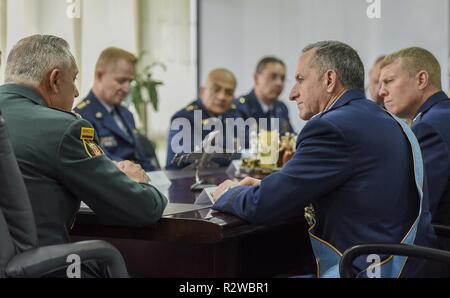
(87,134)
(108,142)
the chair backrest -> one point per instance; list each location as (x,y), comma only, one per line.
(7,250)
(14,202)
(149,151)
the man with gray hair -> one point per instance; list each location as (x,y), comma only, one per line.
(337,177)
(58,152)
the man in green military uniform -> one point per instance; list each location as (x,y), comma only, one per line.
(57,151)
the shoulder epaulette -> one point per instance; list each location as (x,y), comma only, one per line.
(73,114)
(191,107)
(83,104)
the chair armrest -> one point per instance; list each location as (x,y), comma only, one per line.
(45,260)
(442,231)
(349,256)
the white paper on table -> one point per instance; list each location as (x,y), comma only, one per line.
(159,180)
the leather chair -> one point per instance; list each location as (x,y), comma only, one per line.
(20,254)
(149,151)
(441,255)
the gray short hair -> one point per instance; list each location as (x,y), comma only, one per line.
(32,57)
(341,58)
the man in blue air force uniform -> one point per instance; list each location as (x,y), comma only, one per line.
(214,109)
(411,85)
(114,124)
(262,102)
(351,188)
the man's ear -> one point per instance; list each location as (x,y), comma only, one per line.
(53,80)
(422,79)
(99,74)
(255,78)
(330,79)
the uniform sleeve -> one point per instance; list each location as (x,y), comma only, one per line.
(435,155)
(92,177)
(321,163)
(87,115)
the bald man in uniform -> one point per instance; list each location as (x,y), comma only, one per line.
(214,108)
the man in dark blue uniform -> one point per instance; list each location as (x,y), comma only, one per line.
(262,102)
(350,189)
(114,124)
(411,85)
(213,111)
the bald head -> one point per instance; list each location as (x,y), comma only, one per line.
(218,92)
(222,74)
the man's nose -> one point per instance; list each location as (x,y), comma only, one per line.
(294,94)
(222,95)
(126,87)
(382,91)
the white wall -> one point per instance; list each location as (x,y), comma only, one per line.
(105,23)
(167,26)
(236,33)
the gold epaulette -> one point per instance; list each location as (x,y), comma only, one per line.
(83,104)
(191,107)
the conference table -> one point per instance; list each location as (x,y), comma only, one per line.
(196,241)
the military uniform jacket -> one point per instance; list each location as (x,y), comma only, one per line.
(249,106)
(207,119)
(432,128)
(118,145)
(354,165)
(62,165)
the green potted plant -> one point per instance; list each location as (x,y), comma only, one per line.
(144,91)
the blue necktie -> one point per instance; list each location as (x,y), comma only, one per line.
(119,121)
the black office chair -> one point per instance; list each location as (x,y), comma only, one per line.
(346,265)
(442,231)
(149,151)
(441,255)
(20,254)
(443,235)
